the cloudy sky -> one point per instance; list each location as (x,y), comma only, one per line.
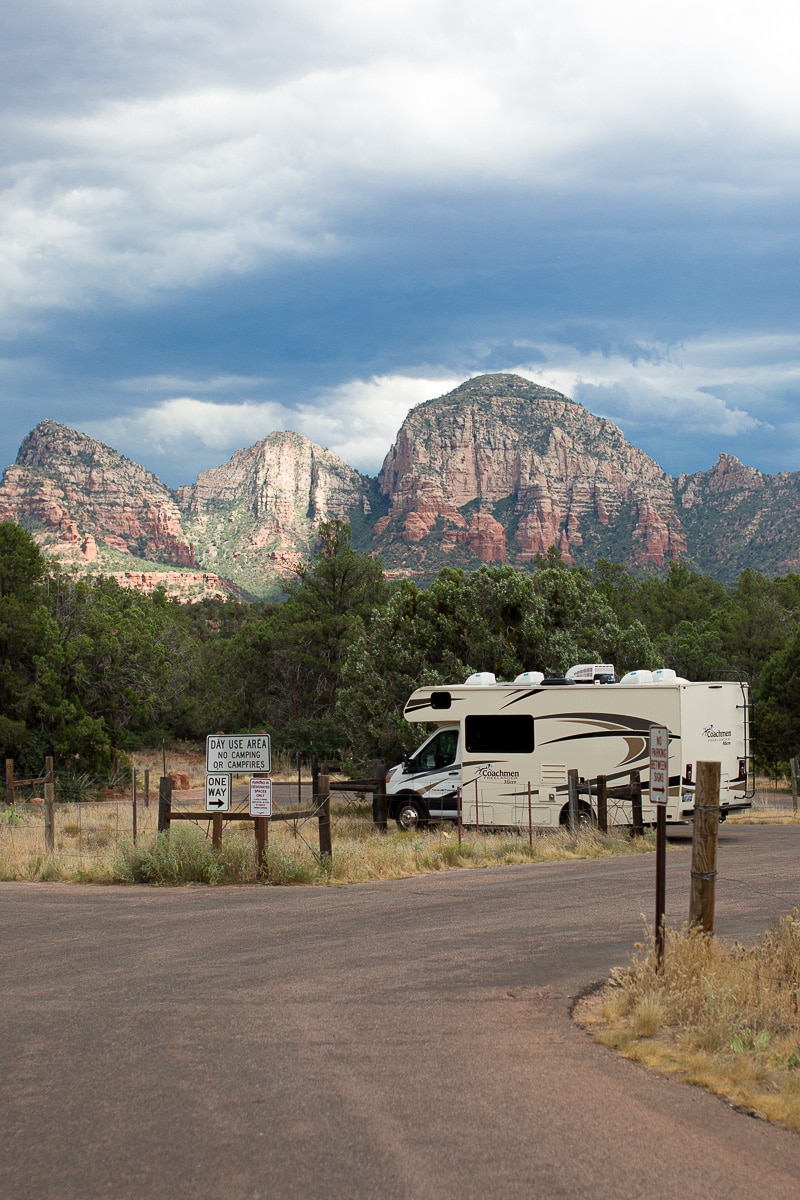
(220,220)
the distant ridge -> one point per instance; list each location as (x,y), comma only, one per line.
(497,470)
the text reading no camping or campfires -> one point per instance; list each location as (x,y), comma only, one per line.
(238,753)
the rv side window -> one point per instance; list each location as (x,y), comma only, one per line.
(509,734)
(440,752)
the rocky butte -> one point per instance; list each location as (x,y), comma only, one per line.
(500,469)
(496,471)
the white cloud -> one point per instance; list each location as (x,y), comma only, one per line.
(185,425)
(357,420)
(223,138)
(360,419)
(680,391)
(684,390)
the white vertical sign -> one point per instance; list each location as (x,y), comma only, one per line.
(218,793)
(260,797)
(659,764)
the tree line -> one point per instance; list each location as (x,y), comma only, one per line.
(90,668)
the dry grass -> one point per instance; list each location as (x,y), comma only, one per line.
(765,816)
(93,843)
(722,1016)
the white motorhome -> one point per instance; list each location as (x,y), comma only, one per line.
(505,748)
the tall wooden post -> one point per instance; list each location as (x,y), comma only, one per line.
(380,809)
(262,845)
(49,807)
(314,778)
(323,804)
(661,881)
(704,846)
(530,817)
(9,781)
(164,803)
(602,804)
(572,782)
(216,830)
(133,803)
(794,767)
(147,787)
(637,821)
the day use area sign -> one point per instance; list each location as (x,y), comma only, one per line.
(238,753)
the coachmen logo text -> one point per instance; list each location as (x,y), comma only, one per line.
(492,773)
(711,732)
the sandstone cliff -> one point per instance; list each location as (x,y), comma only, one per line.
(255,518)
(737,517)
(500,469)
(79,497)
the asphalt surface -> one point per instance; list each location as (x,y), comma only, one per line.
(409,1039)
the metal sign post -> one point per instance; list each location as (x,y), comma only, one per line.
(659,795)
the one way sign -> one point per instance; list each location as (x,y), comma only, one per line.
(218,793)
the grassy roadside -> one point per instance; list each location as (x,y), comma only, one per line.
(94,845)
(719,1015)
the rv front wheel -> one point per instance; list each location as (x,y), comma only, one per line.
(410,815)
(586,818)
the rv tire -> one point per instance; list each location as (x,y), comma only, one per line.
(410,814)
(586,817)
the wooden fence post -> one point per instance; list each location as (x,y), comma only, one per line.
(147,787)
(704,846)
(637,821)
(164,803)
(133,804)
(602,804)
(530,817)
(380,808)
(572,783)
(794,767)
(49,807)
(262,845)
(323,803)
(9,781)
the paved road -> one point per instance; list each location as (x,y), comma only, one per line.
(402,1041)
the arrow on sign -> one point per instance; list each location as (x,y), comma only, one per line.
(215,803)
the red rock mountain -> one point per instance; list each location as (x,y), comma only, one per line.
(501,469)
(80,497)
(498,470)
(254,519)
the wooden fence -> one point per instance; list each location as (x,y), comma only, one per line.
(47,784)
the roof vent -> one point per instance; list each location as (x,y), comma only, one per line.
(481,679)
(637,677)
(533,678)
(664,675)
